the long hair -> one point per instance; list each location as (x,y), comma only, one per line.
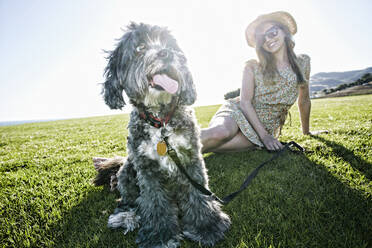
(267,60)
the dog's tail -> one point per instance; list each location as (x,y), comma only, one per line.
(107,169)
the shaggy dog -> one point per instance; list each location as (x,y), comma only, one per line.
(155,196)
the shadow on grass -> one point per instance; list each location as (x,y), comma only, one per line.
(293,202)
(85,225)
(347,155)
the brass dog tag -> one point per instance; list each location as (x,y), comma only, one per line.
(161,148)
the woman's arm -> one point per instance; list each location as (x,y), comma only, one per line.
(304,103)
(246,97)
(304,107)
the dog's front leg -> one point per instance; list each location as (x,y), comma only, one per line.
(202,218)
(125,215)
(159,222)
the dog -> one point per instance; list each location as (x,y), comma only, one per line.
(148,65)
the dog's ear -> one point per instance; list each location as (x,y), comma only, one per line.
(112,90)
(188,91)
(113,87)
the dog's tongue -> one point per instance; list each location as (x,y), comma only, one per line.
(166,82)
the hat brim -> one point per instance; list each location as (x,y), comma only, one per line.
(280,16)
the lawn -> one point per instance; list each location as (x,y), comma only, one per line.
(322,198)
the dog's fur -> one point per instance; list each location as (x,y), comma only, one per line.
(156,196)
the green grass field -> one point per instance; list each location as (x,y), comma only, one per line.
(322,198)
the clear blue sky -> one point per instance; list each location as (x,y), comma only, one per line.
(52,60)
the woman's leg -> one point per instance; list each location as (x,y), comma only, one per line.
(237,144)
(220,131)
(223,135)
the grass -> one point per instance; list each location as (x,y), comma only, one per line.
(320,199)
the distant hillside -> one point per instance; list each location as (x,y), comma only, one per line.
(328,82)
(351,91)
(325,80)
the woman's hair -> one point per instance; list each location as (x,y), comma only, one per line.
(267,61)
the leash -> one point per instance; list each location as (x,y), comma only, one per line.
(164,148)
(172,153)
(287,146)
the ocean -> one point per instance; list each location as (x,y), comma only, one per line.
(13,123)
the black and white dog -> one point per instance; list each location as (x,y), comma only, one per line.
(156,197)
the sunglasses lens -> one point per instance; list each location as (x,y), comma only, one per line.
(271,33)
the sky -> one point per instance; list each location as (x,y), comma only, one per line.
(52,57)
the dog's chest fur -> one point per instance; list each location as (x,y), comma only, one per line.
(177,141)
(146,137)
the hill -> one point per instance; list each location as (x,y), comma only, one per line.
(352,91)
(326,80)
(331,81)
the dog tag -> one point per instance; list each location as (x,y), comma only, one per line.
(161,148)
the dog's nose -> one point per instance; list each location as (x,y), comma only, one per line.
(165,54)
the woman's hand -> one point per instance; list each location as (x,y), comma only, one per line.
(317,132)
(271,143)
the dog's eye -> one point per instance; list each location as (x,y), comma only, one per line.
(140,48)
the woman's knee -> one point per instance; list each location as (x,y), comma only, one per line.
(223,133)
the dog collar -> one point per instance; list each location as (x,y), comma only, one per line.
(156,121)
(153,120)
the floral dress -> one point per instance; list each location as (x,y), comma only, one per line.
(271,101)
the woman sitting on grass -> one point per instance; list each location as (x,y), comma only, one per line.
(269,88)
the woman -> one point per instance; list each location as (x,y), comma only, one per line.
(269,88)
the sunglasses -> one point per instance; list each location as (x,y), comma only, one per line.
(271,33)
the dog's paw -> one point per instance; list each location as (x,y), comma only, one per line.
(170,244)
(209,232)
(150,239)
(127,220)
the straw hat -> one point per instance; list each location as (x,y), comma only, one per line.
(280,16)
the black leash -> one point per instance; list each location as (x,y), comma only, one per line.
(248,180)
(172,153)
(164,148)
